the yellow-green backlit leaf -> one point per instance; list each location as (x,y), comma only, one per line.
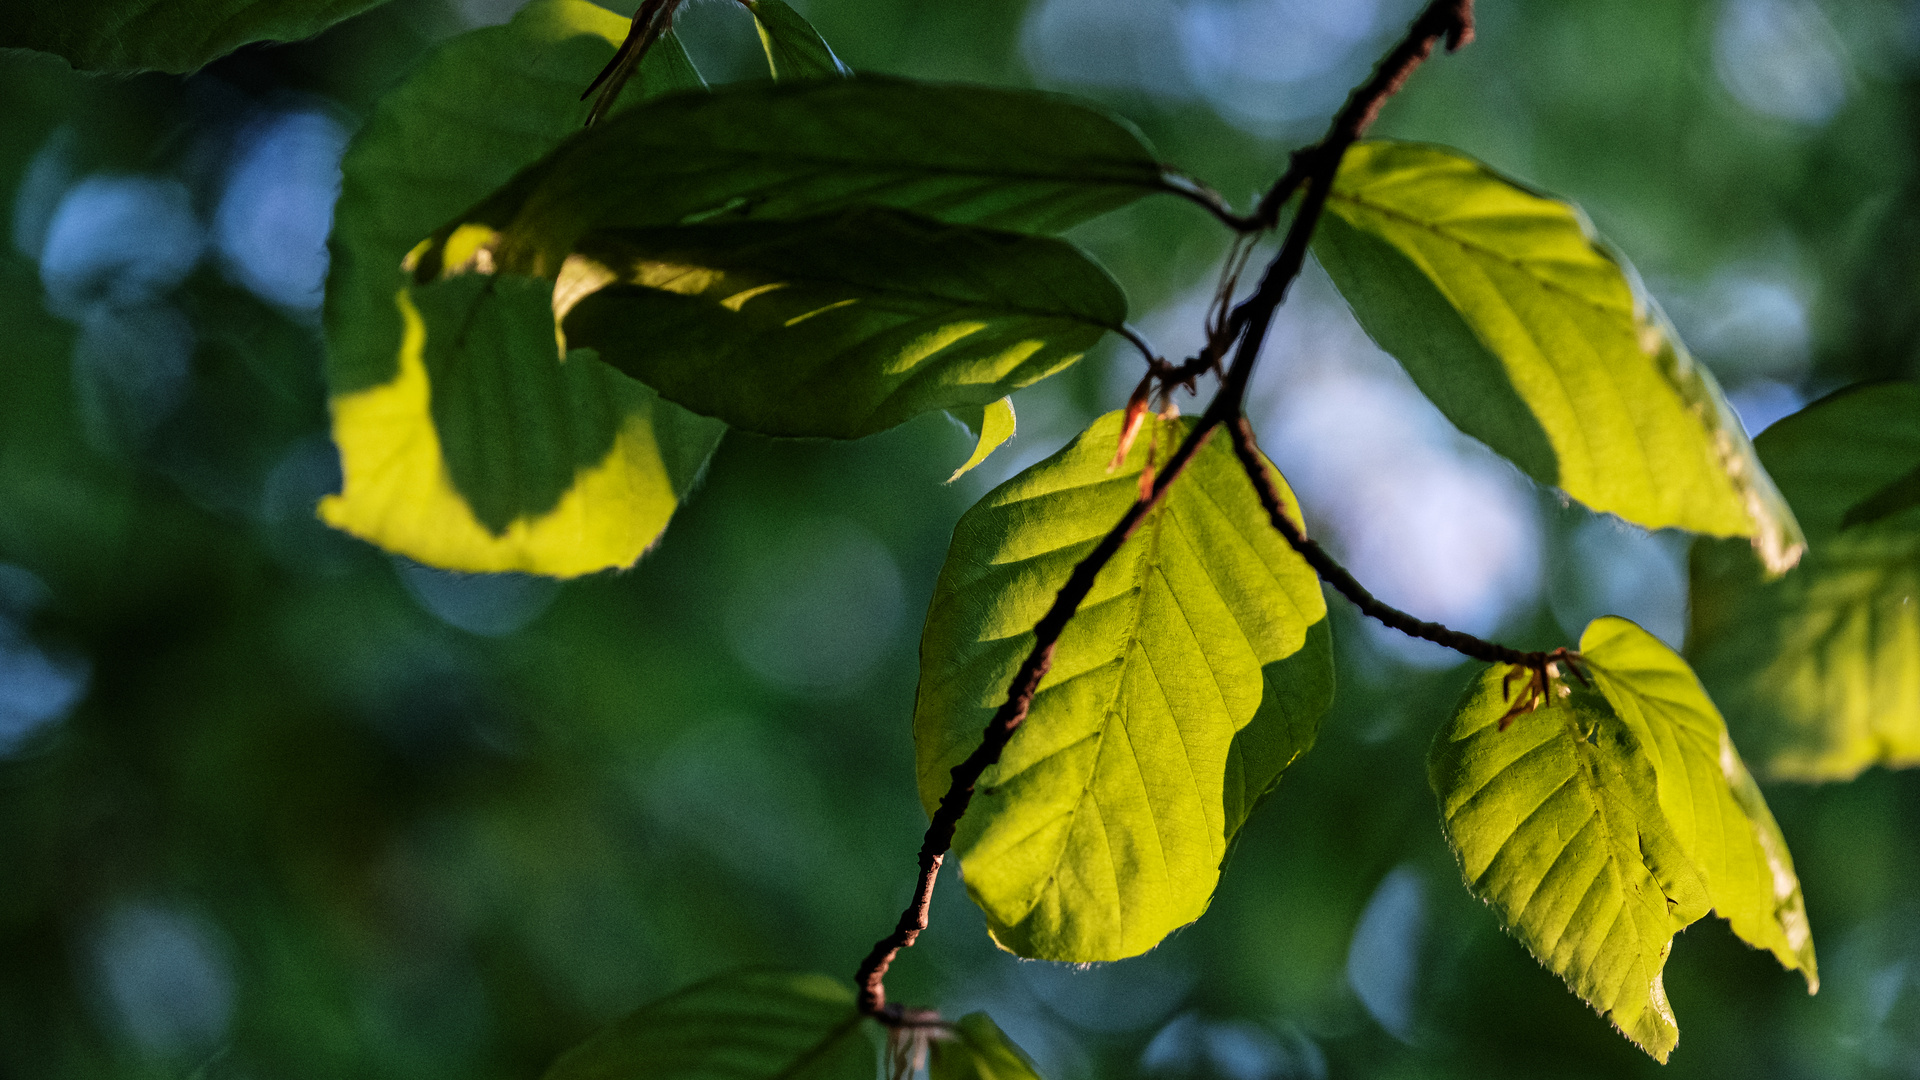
(978,1050)
(750,1025)
(1558,826)
(991,425)
(1194,674)
(1709,798)
(795,49)
(1532,336)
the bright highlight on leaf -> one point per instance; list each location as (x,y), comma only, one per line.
(1611,818)
(749,1025)
(1533,337)
(1820,671)
(992,425)
(978,1050)
(162,35)
(837,327)
(1194,675)
(1006,159)
(794,48)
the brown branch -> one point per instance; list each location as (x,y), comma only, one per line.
(1315,168)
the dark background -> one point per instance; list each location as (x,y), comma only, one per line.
(273,804)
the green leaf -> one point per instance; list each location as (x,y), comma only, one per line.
(162,35)
(490,452)
(1558,826)
(1533,337)
(1709,798)
(1013,159)
(836,327)
(795,50)
(1819,672)
(466,442)
(978,1050)
(1194,674)
(750,1025)
(992,425)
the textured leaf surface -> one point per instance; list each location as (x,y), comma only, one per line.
(162,35)
(1010,159)
(1533,338)
(836,327)
(978,1050)
(795,50)
(1194,674)
(466,442)
(1709,798)
(1819,672)
(1558,826)
(991,425)
(751,1025)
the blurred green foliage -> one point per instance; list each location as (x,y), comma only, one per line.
(317,813)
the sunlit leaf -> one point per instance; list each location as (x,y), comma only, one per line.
(467,443)
(162,35)
(489,452)
(1715,809)
(1558,826)
(1194,675)
(836,327)
(991,426)
(1819,672)
(750,1025)
(1533,337)
(795,49)
(978,1050)
(1013,159)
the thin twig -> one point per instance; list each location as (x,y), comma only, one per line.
(1314,168)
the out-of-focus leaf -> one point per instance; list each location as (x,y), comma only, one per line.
(795,50)
(992,425)
(1532,337)
(1715,809)
(978,1050)
(750,1025)
(162,35)
(1819,672)
(836,327)
(1195,673)
(474,112)
(1558,826)
(1013,159)
(490,452)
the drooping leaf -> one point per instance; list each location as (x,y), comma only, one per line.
(749,1025)
(1558,826)
(795,50)
(978,1050)
(1011,159)
(836,327)
(489,452)
(162,35)
(1533,337)
(467,442)
(1709,798)
(1195,673)
(991,425)
(1819,672)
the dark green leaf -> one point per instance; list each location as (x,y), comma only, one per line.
(795,49)
(839,326)
(1820,671)
(1558,826)
(1194,675)
(1532,336)
(973,155)
(162,35)
(751,1025)
(978,1050)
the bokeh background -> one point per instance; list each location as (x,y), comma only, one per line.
(273,804)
